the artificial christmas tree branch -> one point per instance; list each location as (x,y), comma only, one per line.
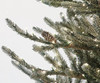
(33,37)
(83,45)
(37,73)
(23,33)
(50,59)
(88,7)
(62,3)
(78,36)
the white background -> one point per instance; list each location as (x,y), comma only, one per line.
(26,14)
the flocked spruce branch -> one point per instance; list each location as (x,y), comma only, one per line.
(78,36)
(57,45)
(88,7)
(36,73)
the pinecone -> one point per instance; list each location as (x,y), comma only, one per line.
(48,37)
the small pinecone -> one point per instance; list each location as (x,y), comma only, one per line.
(48,37)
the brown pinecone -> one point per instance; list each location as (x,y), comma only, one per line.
(48,37)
